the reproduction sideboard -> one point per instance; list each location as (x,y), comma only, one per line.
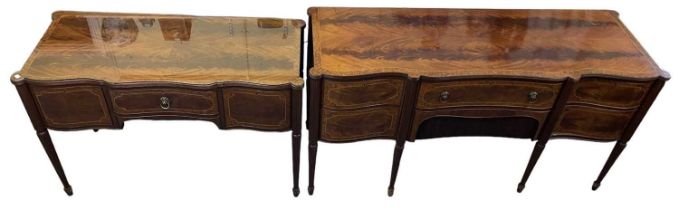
(410,74)
(97,70)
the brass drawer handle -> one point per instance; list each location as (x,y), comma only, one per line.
(532,96)
(164,102)
(444,96)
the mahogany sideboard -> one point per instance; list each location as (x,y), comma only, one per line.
(97,70)
(410,74)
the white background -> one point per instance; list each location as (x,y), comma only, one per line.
(192,164)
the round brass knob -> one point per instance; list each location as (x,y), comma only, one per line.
(164,102)
(444,96)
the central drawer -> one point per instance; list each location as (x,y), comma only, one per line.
(164,100)
(488,92)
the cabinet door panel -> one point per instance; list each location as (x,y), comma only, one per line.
(258,109)
(72,106)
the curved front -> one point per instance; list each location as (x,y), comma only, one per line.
(88,104)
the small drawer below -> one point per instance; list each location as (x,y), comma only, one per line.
(359,124)
(592,123)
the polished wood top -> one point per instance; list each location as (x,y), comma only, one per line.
(458,42)
(132,48)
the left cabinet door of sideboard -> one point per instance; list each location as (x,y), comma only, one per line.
(361,109)
(72,107)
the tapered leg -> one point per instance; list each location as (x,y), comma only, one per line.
(609,163)
(398,151)
(46,141)
(313,146)
(40,129)
(296,141)
(296,137)
(537,151)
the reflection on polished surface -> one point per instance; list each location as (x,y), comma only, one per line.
(175,29)
(456,42)
(119,32)
(121,48)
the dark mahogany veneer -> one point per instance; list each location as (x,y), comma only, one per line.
(407,74)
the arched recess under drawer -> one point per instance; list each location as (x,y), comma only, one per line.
(443,126)
(500,122)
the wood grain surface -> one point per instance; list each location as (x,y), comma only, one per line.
(126,48)
(551,44)
(592,123)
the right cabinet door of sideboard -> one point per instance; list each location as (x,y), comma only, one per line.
(600,108)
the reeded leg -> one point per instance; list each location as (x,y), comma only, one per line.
(398,151)
(313,146)
(46,141)
(296,141)
(609,163)
(537,151)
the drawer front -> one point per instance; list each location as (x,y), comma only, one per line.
(259,109)
(359,124)
(505,93)
(164,101)
(592,123)
(364,93)
(72,107)
(608,92)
